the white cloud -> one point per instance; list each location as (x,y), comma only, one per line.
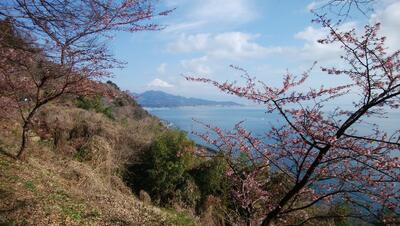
(388,14)
(184,26)
(312,50)
(242,46)
(199,13)
(162,68)
(197,66)
(310,34)
(236,44)
(227,45)
(158,83)
(190,43)
(389,17)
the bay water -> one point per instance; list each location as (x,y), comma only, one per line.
(254,119)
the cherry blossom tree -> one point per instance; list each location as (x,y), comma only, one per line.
(323,156)
(343,8)
(52,48)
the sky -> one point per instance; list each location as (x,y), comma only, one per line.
(265,37)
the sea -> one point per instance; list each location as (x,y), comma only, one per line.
(254,118)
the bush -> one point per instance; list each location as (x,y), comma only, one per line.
(112,84)
(172,174)
(95,104)
(188,195)
(211,178)
(164,168)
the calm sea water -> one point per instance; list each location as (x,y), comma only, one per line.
(254,119)
(184,118)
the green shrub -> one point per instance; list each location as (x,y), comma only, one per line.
(111,83)
(172,174)
(211,178)
(188,195)
(164,168)
(96,104)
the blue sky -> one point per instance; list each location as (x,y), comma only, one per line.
(204,37)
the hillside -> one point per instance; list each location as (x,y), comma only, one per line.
(162,99)
(103,160)
(72,173)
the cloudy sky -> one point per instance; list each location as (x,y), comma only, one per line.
(204,37)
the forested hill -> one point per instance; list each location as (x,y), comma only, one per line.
(161,99)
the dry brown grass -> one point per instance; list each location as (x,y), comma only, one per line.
(95,139)
(10,133)
(55,191)
(71,174)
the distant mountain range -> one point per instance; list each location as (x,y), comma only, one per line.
(161,99)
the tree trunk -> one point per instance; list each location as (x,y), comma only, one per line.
(248,222)
(24,139)
(268,220)
(25,128)
(248,218)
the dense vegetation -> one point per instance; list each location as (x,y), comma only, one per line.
(172,173)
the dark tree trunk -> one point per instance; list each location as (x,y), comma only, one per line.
(24,139)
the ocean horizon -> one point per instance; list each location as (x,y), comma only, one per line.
(254,118)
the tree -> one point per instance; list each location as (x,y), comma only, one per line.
(343,8)
(322,155)
(53,48)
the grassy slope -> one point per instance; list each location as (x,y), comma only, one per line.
(78,180)
(55,191)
